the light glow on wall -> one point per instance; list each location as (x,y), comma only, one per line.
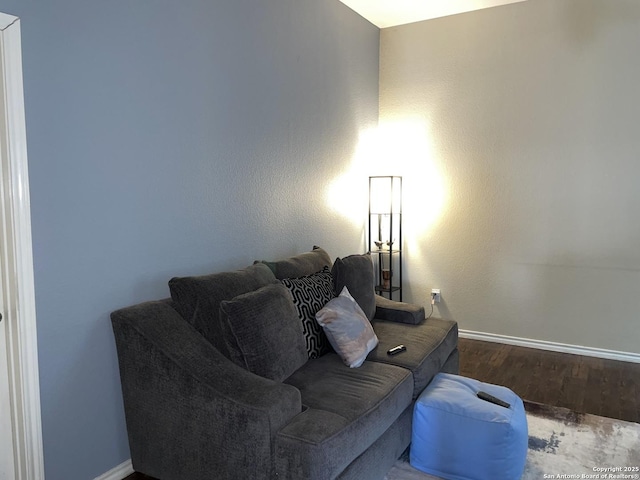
(398,147)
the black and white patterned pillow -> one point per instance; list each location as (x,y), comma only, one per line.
(310,294)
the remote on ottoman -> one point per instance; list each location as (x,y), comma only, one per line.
(490,398)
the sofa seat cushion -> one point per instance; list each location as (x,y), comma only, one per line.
(345,411)
(429,345)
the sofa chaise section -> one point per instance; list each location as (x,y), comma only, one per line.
(431,348)
(346,411)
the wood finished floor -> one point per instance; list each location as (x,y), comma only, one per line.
(608,388)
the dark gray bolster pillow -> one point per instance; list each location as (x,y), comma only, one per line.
(399,312)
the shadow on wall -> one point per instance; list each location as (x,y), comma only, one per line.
(587,19)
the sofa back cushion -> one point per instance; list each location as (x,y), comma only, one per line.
(300,265)
(198,298)
(265,332)
(356,273)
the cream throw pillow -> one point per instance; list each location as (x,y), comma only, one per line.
(348,329)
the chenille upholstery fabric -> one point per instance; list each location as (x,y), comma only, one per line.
(356,273)
(198,298)
(429,345)
(299,265)
(380,457)
(191,411)
(400,312)
(266,335)
(346,411)
(185,402)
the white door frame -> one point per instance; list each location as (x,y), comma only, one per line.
(19,310)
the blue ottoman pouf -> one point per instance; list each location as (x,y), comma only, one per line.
(458,436)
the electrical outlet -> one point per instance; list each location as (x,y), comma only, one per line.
(435,295)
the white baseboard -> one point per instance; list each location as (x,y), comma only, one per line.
(117,473)
(552,346)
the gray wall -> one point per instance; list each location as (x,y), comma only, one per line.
(529,118)
(171,138)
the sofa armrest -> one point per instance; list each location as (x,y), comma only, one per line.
(189,410)
(399,312)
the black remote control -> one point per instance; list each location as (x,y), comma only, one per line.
(490,398)
(396,350)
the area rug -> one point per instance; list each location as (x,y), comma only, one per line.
(566,444)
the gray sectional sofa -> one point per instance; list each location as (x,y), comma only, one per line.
(225,380)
